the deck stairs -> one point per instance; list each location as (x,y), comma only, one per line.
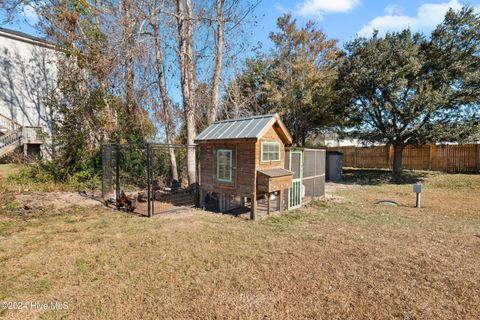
(13,136)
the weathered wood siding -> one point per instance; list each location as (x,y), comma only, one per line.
(270,184)
(273,136)
(246,161)
(243,168)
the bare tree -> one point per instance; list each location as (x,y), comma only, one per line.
(167,119)
(187,72)
(219,39)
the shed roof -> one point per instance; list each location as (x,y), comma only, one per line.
(276,172)
(243,128)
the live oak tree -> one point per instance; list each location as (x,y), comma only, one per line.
(296,80)
(405,88)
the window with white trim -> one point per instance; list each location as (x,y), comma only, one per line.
(224,165)
(270,151)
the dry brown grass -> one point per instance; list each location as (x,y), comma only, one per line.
(348,260)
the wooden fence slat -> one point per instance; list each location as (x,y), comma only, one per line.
(449,158)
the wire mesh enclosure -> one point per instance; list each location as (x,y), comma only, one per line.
(308,166)
(313,174)
(148,179)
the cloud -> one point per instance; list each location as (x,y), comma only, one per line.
(318,8)
(281,8)
(30,15)
(429,15)
(392,9)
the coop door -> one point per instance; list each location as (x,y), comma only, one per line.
(295,192)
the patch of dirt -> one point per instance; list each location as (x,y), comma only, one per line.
(55,200)
(332,187)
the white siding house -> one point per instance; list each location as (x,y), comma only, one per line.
(27,74)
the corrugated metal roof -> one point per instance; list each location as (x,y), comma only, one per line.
(244,128)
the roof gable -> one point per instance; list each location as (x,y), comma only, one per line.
(243,128)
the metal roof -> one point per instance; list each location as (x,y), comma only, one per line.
(243,128)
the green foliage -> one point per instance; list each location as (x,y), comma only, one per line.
(32,174)
(43,175)
(296,80)
(86,108)
(404,88)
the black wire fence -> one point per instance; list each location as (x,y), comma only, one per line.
(148,179)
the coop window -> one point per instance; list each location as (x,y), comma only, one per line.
(270,151)
(224,165)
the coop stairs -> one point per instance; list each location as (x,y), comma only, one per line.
(13,136)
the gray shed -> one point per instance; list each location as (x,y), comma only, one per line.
(334,166)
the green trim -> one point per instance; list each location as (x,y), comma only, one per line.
(275,143)
(225,152)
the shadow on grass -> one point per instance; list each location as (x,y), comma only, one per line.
(381,176)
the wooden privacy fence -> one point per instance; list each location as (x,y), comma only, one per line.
(448,158)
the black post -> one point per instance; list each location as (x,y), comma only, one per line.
(149,190)
(151,178)
(117,174)
(103,171)
(197,173)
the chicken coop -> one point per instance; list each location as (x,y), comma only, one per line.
(245,167)
(147,179)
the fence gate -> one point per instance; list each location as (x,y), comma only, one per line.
(153,176)
(295,192)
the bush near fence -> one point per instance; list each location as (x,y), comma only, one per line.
(447,158)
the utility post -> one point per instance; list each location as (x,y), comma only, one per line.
(417,189)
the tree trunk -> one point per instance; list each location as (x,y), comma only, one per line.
(212,111)
(397,158)
(187,64)
(167,119)
(128,47)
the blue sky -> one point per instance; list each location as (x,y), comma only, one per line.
(340,19)
(344,19)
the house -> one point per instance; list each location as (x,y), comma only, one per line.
(331,139)
(244,161)
(27,74)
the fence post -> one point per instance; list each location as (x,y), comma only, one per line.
(478,157)
(103,170)
(197,173)
(430,147)
(387,149)
(117,174)
(355,156)
(149,178)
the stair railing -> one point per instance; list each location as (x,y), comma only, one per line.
(33,133)
(11,138)
(9,124)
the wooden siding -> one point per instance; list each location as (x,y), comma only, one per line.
(448,158)
(270,184)
(243,168)
(246,161)
(271,135)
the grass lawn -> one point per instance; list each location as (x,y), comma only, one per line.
(346,258)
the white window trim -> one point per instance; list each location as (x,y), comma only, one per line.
(270,143)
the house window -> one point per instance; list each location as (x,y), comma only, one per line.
(224,165)
(270,151)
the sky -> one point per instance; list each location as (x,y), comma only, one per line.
(345,19)
(338,19)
